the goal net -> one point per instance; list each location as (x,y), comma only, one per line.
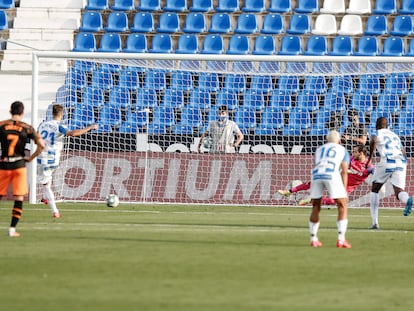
(153,108)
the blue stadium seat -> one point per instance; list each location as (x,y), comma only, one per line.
(142,22)
(362,102)
(110,114)
(396,84)
(299,120)
(76,78)
(299,24)
(4,21)
(182,80)
(393,46)
(145,98)
(334,101)
(120,96)
(202,6)
(367,46)
(83,115)
(220,23)
(227,98)
(209,81)
(262,83)
(129,79)
(385,7)
(369,84)
(102,78)
(161,43)
(175,5)
(91,22)
(307,100)
(238,45)
(262,129)
(289,83)
(316,45)
(181,129)
(7,4)
(317,83)
(272,24)
(290,45)
(273,118)
(254,6)
(200,98)
(97,5)
(410,51)
(281,99)
(322,118)
(307,6)
(213,44)
(123,5)
(84,42)
(93,96)
(117,22)
(342,46)
(376,25)
(254,99)
(155,80)
(156,129)
(264,45)
(195,23)
(342,84)
(245,117)
(110,42)
(402,26)
(280,6)
(169,22)
(246,24)
(136,43)
(187,44)
(407,7)
(235,83)
(149,5)
(191,115)
(173,98)
(164,116)
(229,6)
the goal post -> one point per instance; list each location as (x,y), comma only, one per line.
(152,109)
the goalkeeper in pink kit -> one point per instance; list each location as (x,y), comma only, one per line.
(357,174)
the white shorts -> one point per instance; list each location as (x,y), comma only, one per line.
(394,174)
(45,174)
(335,188)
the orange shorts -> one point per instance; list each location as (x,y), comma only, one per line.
(17,178)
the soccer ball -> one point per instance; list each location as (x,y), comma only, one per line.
(207,142)
(112,200)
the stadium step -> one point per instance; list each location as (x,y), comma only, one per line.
(67,4)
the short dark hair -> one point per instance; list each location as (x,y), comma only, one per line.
(222,108)
(17,108)
(361,148)
(56,109)
(352,112)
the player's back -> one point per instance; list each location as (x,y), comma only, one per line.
(389,145)
(51,132)
(328,159)
(20,132)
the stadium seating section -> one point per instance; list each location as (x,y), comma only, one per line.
(263,105)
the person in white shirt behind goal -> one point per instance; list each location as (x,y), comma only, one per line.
(392,166)
(220,134)
(330,173)
(53,133)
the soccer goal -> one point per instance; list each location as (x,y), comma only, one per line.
(152,109)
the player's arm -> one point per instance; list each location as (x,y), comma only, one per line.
(372,148)
(40,145)
(201,140)
(239,139)
(344,172)
(80,132)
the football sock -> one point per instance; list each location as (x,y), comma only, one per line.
(16,213)
(51,198)
(313,230)
(403,197)
(374,207)
(342,226)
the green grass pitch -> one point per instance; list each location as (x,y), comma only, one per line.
(165,257)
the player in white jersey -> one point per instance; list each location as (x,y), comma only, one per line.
(53,133)
(222,134)
(330,173)
(392,166)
